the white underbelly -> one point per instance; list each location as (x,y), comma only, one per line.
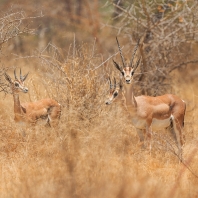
(41,122)
(21,123)
(155,125)
(160,124)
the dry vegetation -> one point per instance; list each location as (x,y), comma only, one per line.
(94,151)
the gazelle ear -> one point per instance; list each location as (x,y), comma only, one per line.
(24,77)
(136,66)
(117,66)
(7,77)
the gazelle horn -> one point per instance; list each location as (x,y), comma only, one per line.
(134,52)
(122,57)
(110,85)
(114,83)
(21,77)
(15,74)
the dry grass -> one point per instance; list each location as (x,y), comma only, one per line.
(94,151)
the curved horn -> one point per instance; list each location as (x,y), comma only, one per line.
(114,83)
(110,85)
(21,77)
(134,52)
(122,57)
(15,74)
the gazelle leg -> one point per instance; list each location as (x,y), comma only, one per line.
(47,124)
(54,115)
(141,135)
(149,134)
(172,131)
(179,136)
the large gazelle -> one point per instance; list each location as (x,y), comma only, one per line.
(31,112)
(149,113)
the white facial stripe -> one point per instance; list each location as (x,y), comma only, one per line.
(20,86)
(127,71)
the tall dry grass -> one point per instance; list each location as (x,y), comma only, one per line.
(94,151)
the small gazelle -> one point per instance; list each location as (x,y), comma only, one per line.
(149,113)
(113,91)
(31,112)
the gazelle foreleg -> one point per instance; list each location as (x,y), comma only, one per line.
(149,133)
(141,135)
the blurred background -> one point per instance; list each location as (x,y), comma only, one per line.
(67,47)
(168,28)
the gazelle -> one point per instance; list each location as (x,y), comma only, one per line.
(31,112)
(149,112)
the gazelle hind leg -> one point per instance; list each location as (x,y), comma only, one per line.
(171,130)
(179,136)
(54,115)
(48,122)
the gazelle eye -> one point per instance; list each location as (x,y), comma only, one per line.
(115,94)
(132,73)
(122,73)
(16,84)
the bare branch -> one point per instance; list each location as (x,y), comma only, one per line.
(182,64)
(105,61)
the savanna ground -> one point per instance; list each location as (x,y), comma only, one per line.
(94,152)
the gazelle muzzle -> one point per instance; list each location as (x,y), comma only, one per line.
(113,91)
(25,90)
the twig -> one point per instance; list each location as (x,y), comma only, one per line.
(181,64)
(105,61)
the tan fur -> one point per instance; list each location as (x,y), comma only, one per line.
(150,112)
(47,109)
(155,113)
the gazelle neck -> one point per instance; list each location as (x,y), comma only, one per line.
(129,95)
(17,104)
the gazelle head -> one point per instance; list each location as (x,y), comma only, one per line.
(17,85)
(113,91)
(127,71)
